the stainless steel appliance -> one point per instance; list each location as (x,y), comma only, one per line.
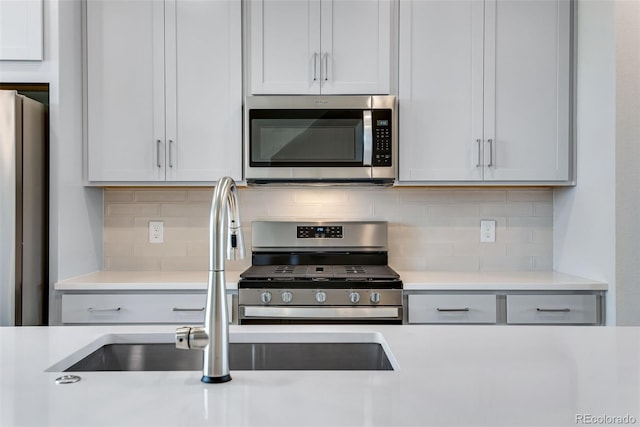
(23,211)
(319,272)
(301,139)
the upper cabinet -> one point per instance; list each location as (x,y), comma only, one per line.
(319,46)
(163,91)
(21,30)
(484,91)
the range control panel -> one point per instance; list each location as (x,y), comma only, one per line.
(319,232)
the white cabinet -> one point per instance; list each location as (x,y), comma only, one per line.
(130,308)
(21,30)
(319,46)
(505,307)
(451,308)
(552,309)
(484,91)
(163,91)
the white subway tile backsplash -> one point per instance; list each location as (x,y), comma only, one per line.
(510,209)
(532,195)
(453,263)
(118,196)
(429,228)
(131,209)
(159,196)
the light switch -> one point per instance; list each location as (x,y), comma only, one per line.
(487,231)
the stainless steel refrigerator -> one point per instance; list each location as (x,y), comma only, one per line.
(23,210)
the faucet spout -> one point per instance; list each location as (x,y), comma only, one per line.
(225,231)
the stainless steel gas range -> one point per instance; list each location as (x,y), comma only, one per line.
(319,272)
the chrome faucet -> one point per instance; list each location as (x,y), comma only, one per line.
(213,338)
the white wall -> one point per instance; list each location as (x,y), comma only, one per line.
(585,215)
(76,212)
(627,19)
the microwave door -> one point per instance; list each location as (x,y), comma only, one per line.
(367,148)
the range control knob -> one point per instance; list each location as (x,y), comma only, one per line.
(354,297)
(321,297)
(265,297)
(375,297)
(287,296)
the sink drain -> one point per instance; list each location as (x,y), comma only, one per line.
(68,379)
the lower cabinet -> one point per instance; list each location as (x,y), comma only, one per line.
(552,309)
(505,307)
(452,308)
(137,307)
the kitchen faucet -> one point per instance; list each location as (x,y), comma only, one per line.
(213,337)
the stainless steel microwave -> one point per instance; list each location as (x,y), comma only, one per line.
(332,139)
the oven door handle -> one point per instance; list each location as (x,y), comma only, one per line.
(367,149)
(322,312)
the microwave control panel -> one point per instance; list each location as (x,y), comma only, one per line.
(382,150)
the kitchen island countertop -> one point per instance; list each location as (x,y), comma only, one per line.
(461,375)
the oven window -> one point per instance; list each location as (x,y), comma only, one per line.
(306,137)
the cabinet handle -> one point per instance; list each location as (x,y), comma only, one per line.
(315,66)
(325,59)
(452,310)
(171,153)
(158,142)
(490,141)
(187,309)
(367,149)
(101,310)
(479,162)
(553,310)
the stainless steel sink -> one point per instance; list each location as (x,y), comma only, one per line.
(242,357)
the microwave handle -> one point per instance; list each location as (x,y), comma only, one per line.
(367,149)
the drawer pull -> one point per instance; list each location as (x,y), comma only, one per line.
(453,310)
(188,309)
(553,310)
(102,310)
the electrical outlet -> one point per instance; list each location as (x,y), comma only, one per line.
(487,231)
(156,231)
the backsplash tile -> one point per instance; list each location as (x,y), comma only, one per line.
(429,228)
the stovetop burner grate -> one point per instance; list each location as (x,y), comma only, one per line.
(354,269)
(284,269)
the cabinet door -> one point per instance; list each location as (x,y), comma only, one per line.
(454,308)
(21,24)
(125,90)
(204,90)
(284,46)
(527,90)
(355,46)
(552,309)
(440,91)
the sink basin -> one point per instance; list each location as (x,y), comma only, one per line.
(247,351)
(242,357)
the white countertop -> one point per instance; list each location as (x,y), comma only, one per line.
(497,281)
(144,280)
(447,375)
(412,280)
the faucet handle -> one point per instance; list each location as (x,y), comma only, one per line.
(190,337)
(182,337)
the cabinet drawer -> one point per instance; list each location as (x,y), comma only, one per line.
(452,308)
(135,308)
(552,309)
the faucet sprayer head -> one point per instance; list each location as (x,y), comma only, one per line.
(235,248)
